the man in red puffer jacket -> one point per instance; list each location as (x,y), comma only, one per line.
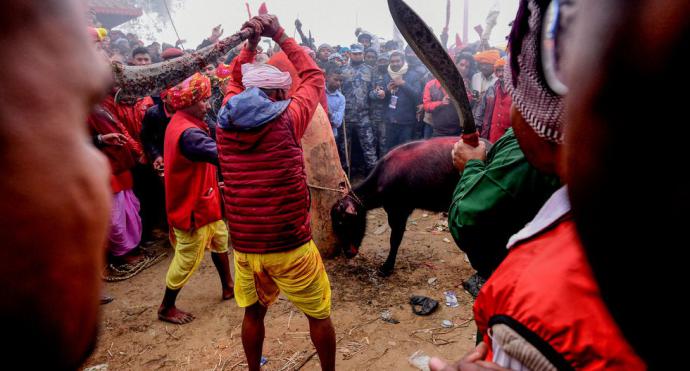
(266,196)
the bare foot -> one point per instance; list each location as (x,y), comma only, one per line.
(174,315)
(228,293)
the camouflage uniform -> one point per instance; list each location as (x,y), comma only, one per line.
(377,110)
(357,85)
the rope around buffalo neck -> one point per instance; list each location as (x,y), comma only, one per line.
(346,192)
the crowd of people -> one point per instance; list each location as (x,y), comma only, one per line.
(379,94)
(216,160)
(169,151)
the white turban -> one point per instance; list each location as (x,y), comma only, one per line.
(265,76)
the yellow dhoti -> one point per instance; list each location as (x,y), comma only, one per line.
(190,248)
(299,274)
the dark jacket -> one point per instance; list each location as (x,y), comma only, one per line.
(378,108)
(153,130)
(409,97)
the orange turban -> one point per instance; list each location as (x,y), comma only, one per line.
(191,91)
(500,63)
(488,57)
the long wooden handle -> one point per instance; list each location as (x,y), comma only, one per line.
(142,81)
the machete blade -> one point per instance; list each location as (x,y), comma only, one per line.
(435,57)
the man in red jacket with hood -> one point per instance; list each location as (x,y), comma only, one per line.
(266,196)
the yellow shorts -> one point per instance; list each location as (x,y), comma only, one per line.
(299,274)
(190,248)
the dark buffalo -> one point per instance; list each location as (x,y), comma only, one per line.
(417,175)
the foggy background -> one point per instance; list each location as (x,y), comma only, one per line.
(332,22)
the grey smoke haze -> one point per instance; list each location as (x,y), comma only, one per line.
(332,21)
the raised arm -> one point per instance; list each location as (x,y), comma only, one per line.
(306,97)
(247,55)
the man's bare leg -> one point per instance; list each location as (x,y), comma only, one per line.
(253,333)
(323,336)
(168,311)
(222,263)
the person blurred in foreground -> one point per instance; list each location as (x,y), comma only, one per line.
(55,197)
(629,199)
(541,308)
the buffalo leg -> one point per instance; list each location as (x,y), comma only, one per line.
(397,219)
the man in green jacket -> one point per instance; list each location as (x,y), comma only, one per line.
(498,193)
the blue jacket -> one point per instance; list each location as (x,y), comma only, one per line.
(336,108)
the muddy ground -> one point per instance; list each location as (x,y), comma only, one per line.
(428,264)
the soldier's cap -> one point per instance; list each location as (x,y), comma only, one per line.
(356,48)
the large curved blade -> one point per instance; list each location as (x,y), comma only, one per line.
(435,57)
(142,81)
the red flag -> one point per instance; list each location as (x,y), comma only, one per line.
(263,9)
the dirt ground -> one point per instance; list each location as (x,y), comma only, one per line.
(428,264)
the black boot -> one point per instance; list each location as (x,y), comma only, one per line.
(474,284)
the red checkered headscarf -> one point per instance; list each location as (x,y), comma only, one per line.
(541,108)
(189,92)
